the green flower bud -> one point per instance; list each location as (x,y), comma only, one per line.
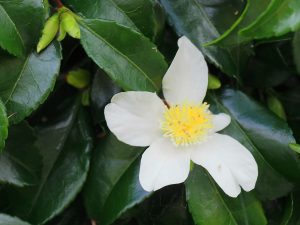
(276,107)
(213,82)
(70,24)
(79,78)
(49,32)
(62,33)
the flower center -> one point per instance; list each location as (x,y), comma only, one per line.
(187,124)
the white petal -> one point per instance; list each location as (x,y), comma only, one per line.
(228,162)
(134,117)
(220,121)
(187,77)
(163,164)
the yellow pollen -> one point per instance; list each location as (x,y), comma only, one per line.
(187,124)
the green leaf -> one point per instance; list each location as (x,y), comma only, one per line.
(296,50)
(3,126)
(65,144)
(195,20)
(231,37)
(113,183)
(73,215)
(269,67)
(103,89)
(138,15)
(209,205)
(20,161)
(107,43)
(21,23)
(288,210)
(27,82)
(278,19)
(254,126)
(295,217)
(8,220)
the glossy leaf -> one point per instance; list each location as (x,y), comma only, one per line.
(278,19)
(253,125)
(20,161)
(65,143)
(103,89)
(269,67)
(202,22)
(9,220)
(137,64)
(138,15)
(25,83)
(16,35)
(209,205)
(3,125)
(113,184)
(231,37)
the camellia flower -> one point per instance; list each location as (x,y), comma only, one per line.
(181,130)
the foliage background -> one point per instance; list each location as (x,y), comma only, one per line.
(60,165)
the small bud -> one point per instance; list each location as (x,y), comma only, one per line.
(295,147)
(79,78)
(49,32)
(62,33)
(213,82)
(276,107)
(85,97)
(70,24)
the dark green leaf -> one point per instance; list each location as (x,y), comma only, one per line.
(103,89)
(65,144)
(231,37)
(20,160)
(295,217)
(202,22)
(74,215)
(296,50)
(111,47)
(270,67)
(291,102)
(113,183)
(288,210)
(209,205)
(21,23)
(267,138)
(278,19)
(8,220)
(26,83)
(138,15)
(3,125)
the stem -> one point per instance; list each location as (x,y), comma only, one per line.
(58,3)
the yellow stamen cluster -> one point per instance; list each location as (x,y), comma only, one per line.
(187,124)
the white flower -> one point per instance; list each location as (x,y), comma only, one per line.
(181,130)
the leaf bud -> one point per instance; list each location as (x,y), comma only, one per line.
(49,32)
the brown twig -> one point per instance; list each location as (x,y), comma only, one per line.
(58,3)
